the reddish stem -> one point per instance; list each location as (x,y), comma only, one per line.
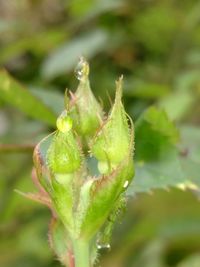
(71,259)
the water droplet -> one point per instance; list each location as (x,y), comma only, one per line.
(82,69)
(79,74)
(126,184)
(64,122)
(103,246)
(99,246)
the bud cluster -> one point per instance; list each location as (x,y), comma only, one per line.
(83,202)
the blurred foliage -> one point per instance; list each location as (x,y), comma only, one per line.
(156,45)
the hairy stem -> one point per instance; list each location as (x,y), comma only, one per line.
(81,253)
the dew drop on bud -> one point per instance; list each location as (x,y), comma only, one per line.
(103,246)
(126,184)
(79,74)
(64,122)
(82,69)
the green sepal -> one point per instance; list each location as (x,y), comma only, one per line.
(40,162)
(85,110)
(64,155)
(58,185)
(111,143)
(84,202)
(104,235)
(63,198)
(103,195)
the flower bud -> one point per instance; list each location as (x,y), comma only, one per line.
(113,148)
(64,160)
(64,154)
(111,144)
(82,204)
(86,112)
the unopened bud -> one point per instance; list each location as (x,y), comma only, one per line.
(64,154)
(111,144)
(86,112)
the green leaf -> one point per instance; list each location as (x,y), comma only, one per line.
(152,23)
(145,90)
(38,44)
(157,157)
(160,163)
(190,156)
(51,98)
(18,96)
(65,58)
(153,133)
(85,10)
(164,172)
(177,104)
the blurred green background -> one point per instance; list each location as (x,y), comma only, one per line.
(155,44)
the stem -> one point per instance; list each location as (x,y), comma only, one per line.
(81,253)
(16,148)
